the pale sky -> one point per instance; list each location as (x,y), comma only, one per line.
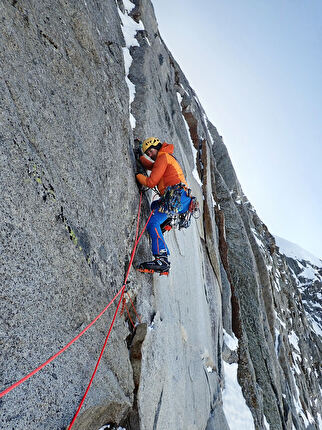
(256,66)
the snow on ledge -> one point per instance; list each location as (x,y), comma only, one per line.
(236,411)
(129,29)
(230,341)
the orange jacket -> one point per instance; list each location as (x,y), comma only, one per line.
(165,170)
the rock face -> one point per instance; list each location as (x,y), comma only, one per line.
(80,81)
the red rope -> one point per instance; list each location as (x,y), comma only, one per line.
(134,307)
(111,326)
(123,288)
(134,249)
(7,390)
(128,312)
(143,230)
(98,361)
(123,306)
(138,218)
(121,291)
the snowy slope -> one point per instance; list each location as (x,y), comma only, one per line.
(296,252)
(307,273)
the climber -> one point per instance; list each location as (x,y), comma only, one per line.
(167,176)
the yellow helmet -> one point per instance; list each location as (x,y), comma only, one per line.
(151,141)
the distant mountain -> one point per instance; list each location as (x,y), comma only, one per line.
(307,272)
(294,251)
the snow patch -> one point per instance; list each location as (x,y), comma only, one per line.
(230,341)
(129,28)
(305,415)
(236,411)
(310,418)
(151,326)
(277,334)
(319,420)
(184,89)
(294,340)
(296,357)
(277,287)
(314,325)
(309,273)
(266,423)
(258,240)
(197,100)
(279,320)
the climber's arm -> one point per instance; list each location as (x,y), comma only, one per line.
(157,172)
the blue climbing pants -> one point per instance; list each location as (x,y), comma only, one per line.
(154,225)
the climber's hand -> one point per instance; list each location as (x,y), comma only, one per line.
(140,181)
(140,168)
(141,178)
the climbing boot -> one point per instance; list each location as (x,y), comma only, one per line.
(160,265)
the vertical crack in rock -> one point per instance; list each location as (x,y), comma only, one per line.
(223,250)
(132,421)
(156,417)
(209,232)
(275,390)
(203,171)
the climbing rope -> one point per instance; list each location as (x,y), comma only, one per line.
(98,361)
(16,384)
(129,315)
(133,307)
(121,291)
(137,239)
(127,310)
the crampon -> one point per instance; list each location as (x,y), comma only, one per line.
(142,270)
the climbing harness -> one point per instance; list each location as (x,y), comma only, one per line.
(170,203)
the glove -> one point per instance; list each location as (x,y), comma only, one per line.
(141,178)
(140,168)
